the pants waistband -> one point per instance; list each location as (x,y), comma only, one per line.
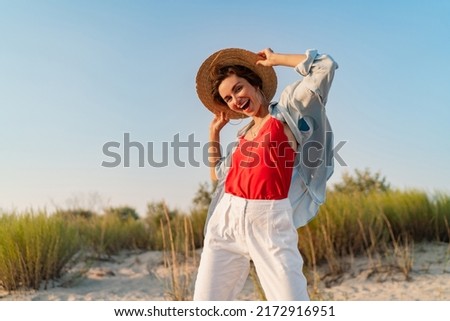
(257,204)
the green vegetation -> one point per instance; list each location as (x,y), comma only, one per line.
(356,223)
(363,215)
(34,248)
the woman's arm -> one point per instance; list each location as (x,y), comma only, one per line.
(317,70)
(214,153)
(270,59)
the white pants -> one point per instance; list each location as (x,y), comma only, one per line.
(241,230)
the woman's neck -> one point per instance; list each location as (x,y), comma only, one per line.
(261,115)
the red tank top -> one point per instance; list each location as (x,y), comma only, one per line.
(262,168)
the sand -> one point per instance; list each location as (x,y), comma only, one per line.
(142,276)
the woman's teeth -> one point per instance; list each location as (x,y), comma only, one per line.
(245,105)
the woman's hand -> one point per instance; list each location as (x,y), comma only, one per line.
(219,121)
(270,59)
(267,58)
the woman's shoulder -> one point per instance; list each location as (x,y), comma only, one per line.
(276,123)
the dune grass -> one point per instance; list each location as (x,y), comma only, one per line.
(108,235)
(356,223)
(35,247)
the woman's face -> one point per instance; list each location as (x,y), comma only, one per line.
(240,95)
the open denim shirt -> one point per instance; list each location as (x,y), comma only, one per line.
(302,107)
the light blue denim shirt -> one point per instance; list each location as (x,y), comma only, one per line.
(302,108)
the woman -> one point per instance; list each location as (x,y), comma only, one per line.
(273,181)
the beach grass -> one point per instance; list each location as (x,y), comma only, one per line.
(36,246)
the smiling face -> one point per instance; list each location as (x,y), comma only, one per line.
(241,87)
(240,96)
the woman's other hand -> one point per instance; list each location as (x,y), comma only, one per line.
(218,122)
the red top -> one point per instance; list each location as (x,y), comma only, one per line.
(262,168)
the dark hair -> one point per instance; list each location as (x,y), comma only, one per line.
(221,73)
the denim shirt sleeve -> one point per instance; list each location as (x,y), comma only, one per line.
(302,105)
(222,166)
(305,99)
(318,72)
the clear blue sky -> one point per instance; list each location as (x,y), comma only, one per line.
(75,75)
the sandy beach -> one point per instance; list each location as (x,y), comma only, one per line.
(132,276)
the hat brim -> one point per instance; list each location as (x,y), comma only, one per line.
(229,57)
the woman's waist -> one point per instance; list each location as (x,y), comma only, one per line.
(258,204)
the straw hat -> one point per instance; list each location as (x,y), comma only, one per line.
(228,57)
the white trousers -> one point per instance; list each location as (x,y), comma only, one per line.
(241,230)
